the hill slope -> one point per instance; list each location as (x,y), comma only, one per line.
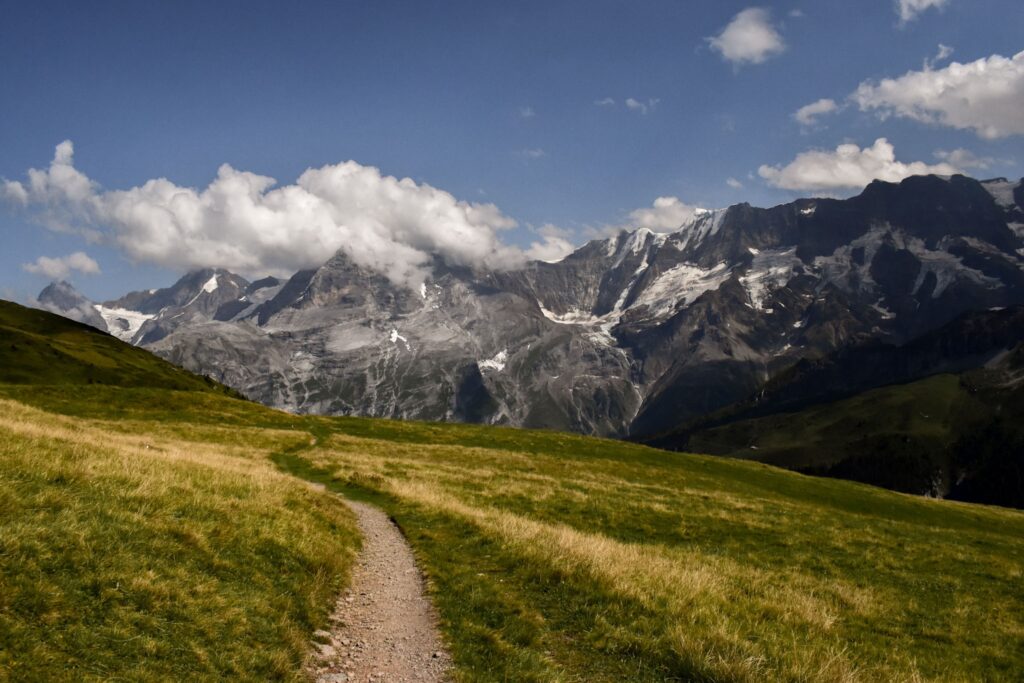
(942,415)
(147,536)
(155,548)
(41,348)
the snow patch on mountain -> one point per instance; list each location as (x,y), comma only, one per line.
(680,286)
(496,363)
(705,223)
(841,270)
(946,267)
(572,317)
(771,268)
(1002,192)
(121,322)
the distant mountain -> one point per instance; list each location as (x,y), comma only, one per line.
(631,335)
(62,298)
(912,417)
(970,341)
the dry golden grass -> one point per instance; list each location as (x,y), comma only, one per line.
(734,580)
(144,557)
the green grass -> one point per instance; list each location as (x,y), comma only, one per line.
(149,534)
(156,556)
(617,562)
(927,412)
(143,534)
(39,348)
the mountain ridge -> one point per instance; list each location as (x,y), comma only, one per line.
(629,335)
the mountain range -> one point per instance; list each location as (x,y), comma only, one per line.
(632,335)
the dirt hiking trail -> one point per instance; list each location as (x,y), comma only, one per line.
(384,628)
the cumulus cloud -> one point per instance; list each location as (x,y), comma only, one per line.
(666,215)
(808,114)
(986,96)
(734,184)
(605,102)
(749,38)
(964,158)
(554,245)
(848,167)
(61,267)
(244,222)
(642,107)
(909,9)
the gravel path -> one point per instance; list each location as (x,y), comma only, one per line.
(384,627)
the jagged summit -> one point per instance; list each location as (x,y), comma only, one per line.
(62,297)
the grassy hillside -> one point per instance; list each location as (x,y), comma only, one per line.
(960,435)
(40,348)
(162,548)
(150,534)
(942,414)
(578,559)
(897,422)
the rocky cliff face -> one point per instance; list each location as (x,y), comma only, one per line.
(631,334)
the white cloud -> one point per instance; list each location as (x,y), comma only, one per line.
(526,112)
(532,153)
(986,96)
(59,268)
(605,102)
(666,215)
(964,158)
(734,184)
(555,244)
(848,167)
(909,9)
(241,221)
(941,54)
(749,38)
(642,107)
(808,114)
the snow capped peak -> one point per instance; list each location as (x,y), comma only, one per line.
(211,284)
(613,245)
(705,222)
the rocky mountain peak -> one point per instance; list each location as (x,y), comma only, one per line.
(61,297)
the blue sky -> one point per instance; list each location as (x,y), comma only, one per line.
(492,102)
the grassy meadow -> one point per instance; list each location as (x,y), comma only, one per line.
(138,553)
(576,559)
(153,534)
